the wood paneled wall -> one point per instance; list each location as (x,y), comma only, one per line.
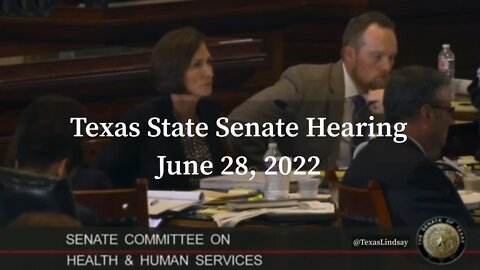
(292,31)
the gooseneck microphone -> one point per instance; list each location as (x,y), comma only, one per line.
(282,105)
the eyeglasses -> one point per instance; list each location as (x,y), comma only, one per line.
(449,109)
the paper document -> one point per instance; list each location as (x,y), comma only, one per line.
(243,205)
(321,196)
(470,199)
(160,201)
(176,195)
(216,197)
(226,182)
(231,219)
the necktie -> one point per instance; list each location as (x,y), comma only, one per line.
(360,115)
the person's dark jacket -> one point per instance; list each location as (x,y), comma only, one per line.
(22,192)
(87,178)
(415,188)
(126,159)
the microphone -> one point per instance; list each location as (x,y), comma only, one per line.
(282,105)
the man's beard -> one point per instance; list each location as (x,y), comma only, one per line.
(378,83)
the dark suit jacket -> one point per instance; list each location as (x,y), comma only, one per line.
(415,188)
(88,178)
(126,159)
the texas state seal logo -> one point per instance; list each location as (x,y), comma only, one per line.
(441,240)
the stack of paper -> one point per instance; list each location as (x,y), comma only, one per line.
(244,205)
(231,219)
(217,196)
(470,199)
(226,182)
(321,196)
(160,201)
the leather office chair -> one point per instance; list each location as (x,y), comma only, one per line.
(359,206)
(118,207)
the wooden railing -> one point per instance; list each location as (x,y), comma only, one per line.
(111,81)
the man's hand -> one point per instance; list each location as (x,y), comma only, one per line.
(375,101)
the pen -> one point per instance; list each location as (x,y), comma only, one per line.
(152,203)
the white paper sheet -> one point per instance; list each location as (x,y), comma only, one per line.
(176,195)
(470,199)
(231,219)
(160,201)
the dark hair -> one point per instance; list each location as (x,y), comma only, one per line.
(357,25)
(44,134)
(410,88)
(172,56)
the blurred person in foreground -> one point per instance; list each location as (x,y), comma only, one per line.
(56,110)
(46,157)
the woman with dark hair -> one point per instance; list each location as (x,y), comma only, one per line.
(182,73)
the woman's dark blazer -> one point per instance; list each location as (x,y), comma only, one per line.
(127,158)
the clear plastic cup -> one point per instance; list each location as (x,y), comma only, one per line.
(308,188)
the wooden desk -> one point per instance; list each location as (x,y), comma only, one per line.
(190,218)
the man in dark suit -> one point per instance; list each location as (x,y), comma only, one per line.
(415,188)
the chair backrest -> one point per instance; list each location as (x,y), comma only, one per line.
(360,206)
(116,206)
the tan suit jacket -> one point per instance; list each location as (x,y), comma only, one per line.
(305,91)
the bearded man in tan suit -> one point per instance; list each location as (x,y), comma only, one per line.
(368,54)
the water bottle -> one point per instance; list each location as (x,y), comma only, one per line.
(276,186)
(446,64)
